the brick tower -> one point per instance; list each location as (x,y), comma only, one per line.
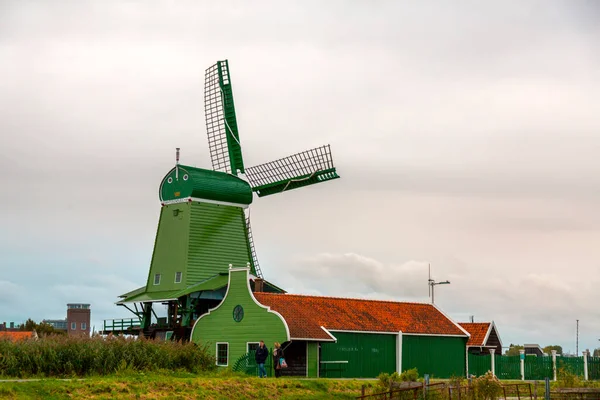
(78,319)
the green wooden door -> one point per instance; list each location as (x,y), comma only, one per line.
(358,355)
(438,356)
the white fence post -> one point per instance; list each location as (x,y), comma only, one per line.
(492,351)
(585,364)
(522,360)
(554,363)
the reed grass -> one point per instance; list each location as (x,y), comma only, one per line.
(67,356)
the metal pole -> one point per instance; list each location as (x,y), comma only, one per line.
(553,364)
(547,393)
(577,340)
(522,361)
(585,364)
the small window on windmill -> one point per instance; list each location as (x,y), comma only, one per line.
(157,279)
(177,277)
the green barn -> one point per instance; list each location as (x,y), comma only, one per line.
(332,337)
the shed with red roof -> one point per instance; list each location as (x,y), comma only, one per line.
(332,337)
(484,336)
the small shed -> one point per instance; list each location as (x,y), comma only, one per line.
(484,336)
(533,349)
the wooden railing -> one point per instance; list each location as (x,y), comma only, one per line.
(443,390)
(122,324)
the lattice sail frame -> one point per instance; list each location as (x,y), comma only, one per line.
(253,254)
(298,170)
(221,121)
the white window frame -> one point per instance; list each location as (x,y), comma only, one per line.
(248,345)
(73,326)
(217,354)
(180,277)
(83,326)
(249,361)
(159,276)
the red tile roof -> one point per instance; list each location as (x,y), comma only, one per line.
(13,335)
(478,331)
(306,314)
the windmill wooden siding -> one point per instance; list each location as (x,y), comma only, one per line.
(199,240)
(217,239)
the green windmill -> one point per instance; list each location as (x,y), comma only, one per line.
(204,223)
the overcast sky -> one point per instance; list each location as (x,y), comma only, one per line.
(466,134)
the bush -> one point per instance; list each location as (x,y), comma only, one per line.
(566,378)
(55,356)
(487,387)
(385,380)
(410,375)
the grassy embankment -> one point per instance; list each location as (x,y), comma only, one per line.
(181,386)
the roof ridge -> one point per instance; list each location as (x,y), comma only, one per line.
(344,298)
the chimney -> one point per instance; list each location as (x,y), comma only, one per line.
(259,285)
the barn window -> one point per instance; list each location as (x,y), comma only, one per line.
(222,354)
(177,277)
(251,348)
(157,279)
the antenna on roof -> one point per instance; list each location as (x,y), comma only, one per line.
(432,284)
(429,280)
(472,318)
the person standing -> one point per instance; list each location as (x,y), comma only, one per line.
(277,356)
(261,356)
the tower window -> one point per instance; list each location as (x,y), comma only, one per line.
(157,279)
(83,326)
(177,277)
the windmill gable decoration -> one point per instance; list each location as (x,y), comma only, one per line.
(204,224)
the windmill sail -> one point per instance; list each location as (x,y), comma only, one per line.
(221,122)
(252,248)
(298,170)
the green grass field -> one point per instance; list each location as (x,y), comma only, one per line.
(181,386)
